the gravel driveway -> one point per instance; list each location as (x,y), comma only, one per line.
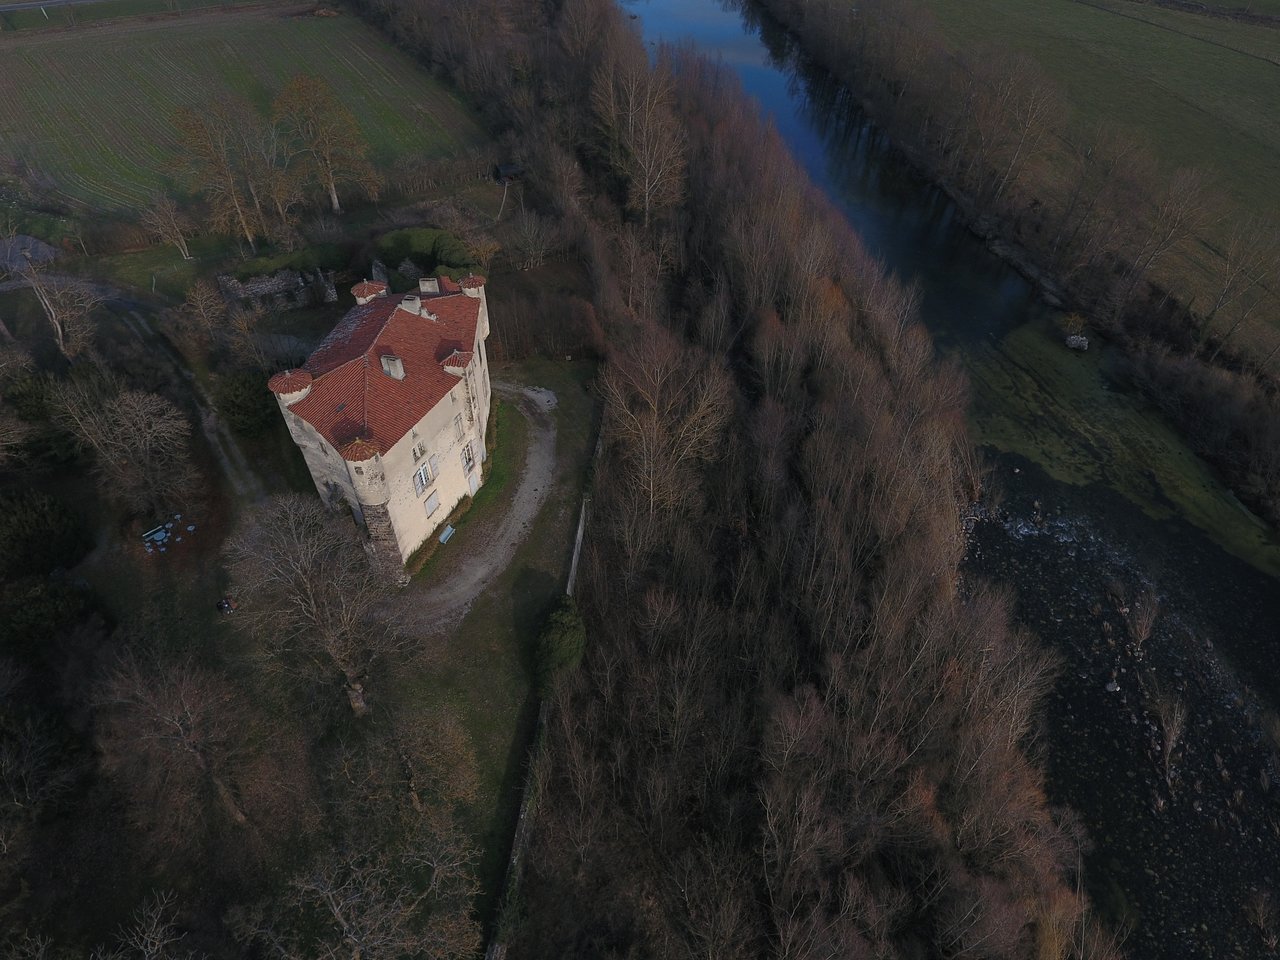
(491,546)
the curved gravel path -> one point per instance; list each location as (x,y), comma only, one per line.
(434,606)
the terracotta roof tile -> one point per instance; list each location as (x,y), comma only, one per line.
(353,399)
(368,288)
(289,381)
(458,360)
(359,450)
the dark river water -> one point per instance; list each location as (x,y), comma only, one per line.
(1099,503)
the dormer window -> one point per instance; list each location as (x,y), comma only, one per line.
(393,366)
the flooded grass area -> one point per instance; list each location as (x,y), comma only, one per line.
(1067,412)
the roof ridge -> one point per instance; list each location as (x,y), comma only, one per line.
(364,419)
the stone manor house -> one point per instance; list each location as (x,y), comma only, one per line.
(390,410)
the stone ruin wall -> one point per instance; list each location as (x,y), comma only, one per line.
(282,290)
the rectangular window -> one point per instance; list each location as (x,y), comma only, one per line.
(420,479)
(468,458)
(419,451)
(433,503)
(457,426)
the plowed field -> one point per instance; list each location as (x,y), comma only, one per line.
(91,109)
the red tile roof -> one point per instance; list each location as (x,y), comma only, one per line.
(359,450)
(458,360)
(289,381)
(353,399)
(368,288)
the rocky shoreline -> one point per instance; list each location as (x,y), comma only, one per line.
(1185,829)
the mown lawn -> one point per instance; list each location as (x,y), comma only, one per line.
(1201,92)
(92,108)
(484,669)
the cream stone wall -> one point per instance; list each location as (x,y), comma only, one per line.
(325,463)
(437,432)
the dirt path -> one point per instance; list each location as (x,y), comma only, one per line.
(435,606)
(244,482)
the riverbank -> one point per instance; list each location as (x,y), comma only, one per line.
(1223,407)
(1212,814)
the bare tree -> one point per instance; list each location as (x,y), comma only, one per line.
(413,900)
(275,172)
(168,733)
(1029,118)
(535,238)
(152,933)
(666,410)
(201,317)
(438,758)
(67,303)
(328,135)
(310,594)
(1180,209)
(14,431)
(140,440)
(633,108)
(1261,911)
(209,147)
(1250,264)
(1140,616)
(1107,163)
(168,223)
(1171,712)
(34,775)
(243,324)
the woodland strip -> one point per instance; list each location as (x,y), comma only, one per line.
(794,732)
(1102,234)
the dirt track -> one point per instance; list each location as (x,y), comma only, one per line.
(435,606)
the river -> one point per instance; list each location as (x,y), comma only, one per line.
(1100,502)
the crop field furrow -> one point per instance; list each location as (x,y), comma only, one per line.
(93,108)
(436,107)
(109,177)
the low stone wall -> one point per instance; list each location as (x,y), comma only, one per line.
(282,290)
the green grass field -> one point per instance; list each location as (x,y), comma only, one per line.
(1201,92)
(92,107)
